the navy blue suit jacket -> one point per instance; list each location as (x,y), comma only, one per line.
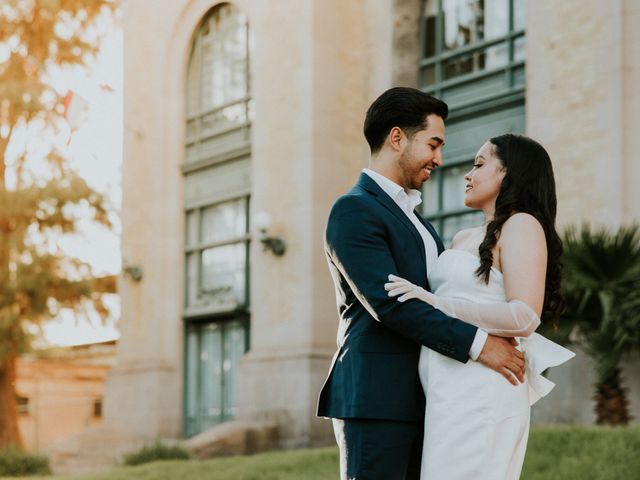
(374,373)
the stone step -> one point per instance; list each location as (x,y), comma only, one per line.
(95,449)
(234,438)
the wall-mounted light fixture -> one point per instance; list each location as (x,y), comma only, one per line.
(262,223)
(132,272)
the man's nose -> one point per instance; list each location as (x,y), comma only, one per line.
(437,158)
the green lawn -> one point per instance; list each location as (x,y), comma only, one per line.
(596,453)
(563,453)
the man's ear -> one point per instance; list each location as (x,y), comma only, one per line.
(397,139)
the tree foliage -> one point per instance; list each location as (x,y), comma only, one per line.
(38,206)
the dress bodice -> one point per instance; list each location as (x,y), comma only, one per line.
(453,275)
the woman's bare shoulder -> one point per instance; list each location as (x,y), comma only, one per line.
(522,223)
(522,229)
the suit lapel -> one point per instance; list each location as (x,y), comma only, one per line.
(367,183)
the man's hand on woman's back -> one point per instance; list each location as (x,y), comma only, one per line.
(500,354)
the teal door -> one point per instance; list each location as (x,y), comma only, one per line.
(213,352)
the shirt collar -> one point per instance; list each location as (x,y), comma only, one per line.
(407,200)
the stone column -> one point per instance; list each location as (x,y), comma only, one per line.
(575,104)
(406,42)
(631,108)
(317,66)
(144,389)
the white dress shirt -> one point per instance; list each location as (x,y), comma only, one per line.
(408,201)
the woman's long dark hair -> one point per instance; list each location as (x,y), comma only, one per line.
(528,187)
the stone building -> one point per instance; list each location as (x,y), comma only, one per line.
(243,122)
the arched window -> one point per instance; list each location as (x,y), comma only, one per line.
(217,191)
(473,58)
(219,106)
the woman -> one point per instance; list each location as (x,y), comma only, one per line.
(503,277)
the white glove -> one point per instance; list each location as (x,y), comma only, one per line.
(505,319)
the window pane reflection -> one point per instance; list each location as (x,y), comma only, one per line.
(223,274)
(452,225)
(453,187)
(519,14)
(519,48)
(234,348)
(192,227)
(486,59)
(224,52)
(225,221)
(192,279)
(211,374)
(430,195)
(430,18)
(192,369)
(224,118)
(193,94)
(472,21)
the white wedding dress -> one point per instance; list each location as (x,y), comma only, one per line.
(476,422)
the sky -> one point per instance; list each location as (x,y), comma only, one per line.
(95,150)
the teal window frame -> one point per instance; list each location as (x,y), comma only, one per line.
(510,94)
(217,143)
(439,87)
(199,247)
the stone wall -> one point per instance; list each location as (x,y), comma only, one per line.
(582,99)
(61,394)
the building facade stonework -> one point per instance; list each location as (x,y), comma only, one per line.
(60,392)
(311,68)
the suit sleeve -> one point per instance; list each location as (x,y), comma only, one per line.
(357,246)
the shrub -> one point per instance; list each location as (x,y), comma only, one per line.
(602,287)
(14,463)
(155,452)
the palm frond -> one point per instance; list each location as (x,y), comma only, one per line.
(602,288)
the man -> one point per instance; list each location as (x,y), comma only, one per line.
(373,392)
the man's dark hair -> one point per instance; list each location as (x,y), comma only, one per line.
(403,107)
